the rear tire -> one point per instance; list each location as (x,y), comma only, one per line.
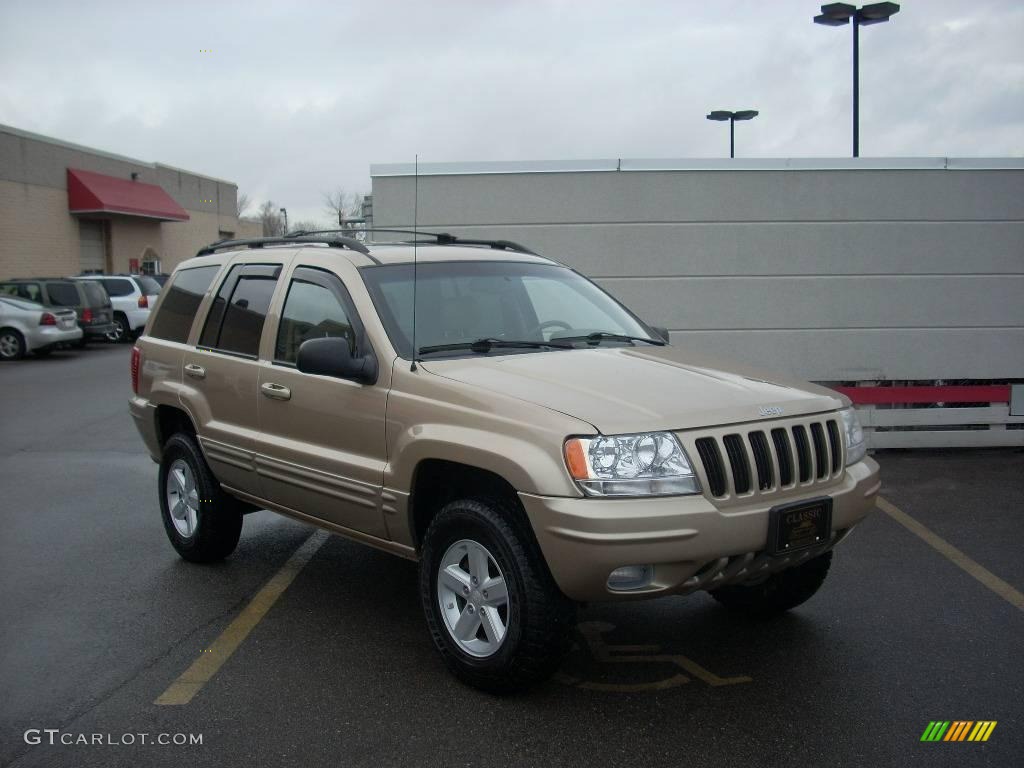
(538,619)
(202,522)
(12,345)
(122,331)
(779,592)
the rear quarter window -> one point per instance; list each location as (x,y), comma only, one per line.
(95,294)
(179,307)
(118,287)
(149,286)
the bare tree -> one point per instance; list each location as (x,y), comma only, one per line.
(340,205)
(306,225)
(242,203)
(271,219)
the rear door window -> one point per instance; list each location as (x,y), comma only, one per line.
(63,294)
(28,291)
(235,322)
(118,286)
(185,292)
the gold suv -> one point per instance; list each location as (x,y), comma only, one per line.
(498,418)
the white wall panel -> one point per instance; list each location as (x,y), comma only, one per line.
(833,269)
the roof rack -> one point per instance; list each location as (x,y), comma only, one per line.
(290,239)
(440,238)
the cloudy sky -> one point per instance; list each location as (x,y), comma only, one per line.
(296,98)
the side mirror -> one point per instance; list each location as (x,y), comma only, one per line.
(331,356)
(663,332)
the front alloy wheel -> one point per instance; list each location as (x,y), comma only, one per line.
(494,612)
(473,598)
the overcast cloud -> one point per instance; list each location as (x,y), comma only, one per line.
(296,98)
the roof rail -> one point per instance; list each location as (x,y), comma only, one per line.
(296,237)
(440,238)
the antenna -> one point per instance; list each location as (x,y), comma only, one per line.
(415,217)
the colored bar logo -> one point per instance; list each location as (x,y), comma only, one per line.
(958,730)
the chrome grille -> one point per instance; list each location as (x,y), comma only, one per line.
(764,460)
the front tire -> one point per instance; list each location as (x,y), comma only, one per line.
(494,612)
(779,592)
(202,522)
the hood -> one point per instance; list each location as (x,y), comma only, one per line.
(637,389)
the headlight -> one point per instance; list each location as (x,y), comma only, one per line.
(647,464)
(856,446)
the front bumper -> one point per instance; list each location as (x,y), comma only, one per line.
(690,542)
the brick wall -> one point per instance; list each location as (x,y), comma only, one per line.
(37,235)
(129,239)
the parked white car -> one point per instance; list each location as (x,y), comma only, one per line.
(132,296)
(29,327)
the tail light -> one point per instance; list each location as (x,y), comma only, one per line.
(143,301)
(47,319)
(136,364)
(86,315)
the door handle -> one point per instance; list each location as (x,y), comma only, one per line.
(276,391)
(195,371)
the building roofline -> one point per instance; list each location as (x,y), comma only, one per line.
(378,170)
(20,133)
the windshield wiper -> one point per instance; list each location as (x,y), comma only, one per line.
(599,336)
(483,346)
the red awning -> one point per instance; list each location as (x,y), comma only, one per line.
(90,192)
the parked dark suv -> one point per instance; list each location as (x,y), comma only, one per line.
(89,300)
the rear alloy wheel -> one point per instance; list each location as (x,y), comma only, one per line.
(202,522)
(12,346)
(121,330)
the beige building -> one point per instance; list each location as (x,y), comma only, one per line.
(66,209)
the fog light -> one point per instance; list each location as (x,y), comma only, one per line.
(630,577)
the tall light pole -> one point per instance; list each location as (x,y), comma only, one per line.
(284,212)
(838,14)
(722,115)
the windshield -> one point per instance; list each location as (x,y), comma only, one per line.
(458,302)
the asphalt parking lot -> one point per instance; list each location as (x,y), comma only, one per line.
(101,617)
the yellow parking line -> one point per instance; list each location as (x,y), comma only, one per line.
(203,668)
(947,550)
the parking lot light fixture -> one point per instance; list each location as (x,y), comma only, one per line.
(721,115)
(839,14)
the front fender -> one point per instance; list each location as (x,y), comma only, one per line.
(526,464)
